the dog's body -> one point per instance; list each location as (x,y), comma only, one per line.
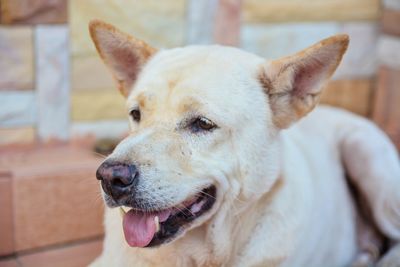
(281,196)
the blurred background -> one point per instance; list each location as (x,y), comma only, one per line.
(59,108)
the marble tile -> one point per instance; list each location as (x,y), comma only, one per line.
(16,64)
(393,4)
(389,51)
(277,40)
(17,109)
(52,81)
(200,21)
(360,60)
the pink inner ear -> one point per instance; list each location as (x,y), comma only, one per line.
(308,77)
(125,63)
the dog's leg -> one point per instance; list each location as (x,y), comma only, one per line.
(391,258)
(370,243)
(373,165)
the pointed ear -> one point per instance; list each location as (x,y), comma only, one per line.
(123,54)
(294,83)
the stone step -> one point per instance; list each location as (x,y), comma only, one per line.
(51,196)
(76,255)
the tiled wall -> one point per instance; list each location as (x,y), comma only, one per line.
(53,84)
(34,67)
(269,28)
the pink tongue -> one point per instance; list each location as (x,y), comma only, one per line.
(140,228)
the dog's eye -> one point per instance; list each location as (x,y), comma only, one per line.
(135,114)
(202,124)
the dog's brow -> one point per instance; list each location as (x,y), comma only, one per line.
(189,105)
(141,98)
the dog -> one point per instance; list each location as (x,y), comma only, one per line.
(222,167)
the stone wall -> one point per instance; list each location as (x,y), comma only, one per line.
(270,28)
(34,67)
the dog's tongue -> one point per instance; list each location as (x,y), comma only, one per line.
(140,227)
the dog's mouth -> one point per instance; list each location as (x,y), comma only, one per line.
(144,228)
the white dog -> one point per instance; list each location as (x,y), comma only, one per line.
(215,172)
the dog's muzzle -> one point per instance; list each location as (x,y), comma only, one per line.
(145,225)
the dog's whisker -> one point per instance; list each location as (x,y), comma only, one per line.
(177,207)
(201,192)
(98,154)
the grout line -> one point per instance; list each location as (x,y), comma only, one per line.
(59,246)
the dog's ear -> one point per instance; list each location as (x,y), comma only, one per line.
(294,83)
(123,54)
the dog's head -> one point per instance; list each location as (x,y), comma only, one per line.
(204,128)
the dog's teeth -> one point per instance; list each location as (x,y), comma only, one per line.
(122,211)
(197,206)
(157,222)
(126,209)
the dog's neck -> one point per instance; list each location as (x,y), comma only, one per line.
(213,240)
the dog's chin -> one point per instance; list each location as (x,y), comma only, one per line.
(152,228)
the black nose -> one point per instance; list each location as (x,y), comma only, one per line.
(117,179)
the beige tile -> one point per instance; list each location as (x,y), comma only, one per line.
(97,105)
(353,95)
(33,12)
(6,218)
(388,51)
(79,255)
(313,10)
(161,23)
(16,64)
(17,135)
(90,73)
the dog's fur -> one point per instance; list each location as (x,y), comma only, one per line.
(282,194)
